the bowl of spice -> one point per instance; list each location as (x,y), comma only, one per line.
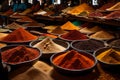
(49,46)
(73,35)
(109,58)
(89,45)
(19,36)
(20,55)
(114,42)
(72,62)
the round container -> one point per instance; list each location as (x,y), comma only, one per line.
(106,65)
(57,41)
(89,45)
(73,72)
(24,63)
(114,42)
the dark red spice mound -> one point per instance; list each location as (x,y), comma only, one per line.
(74,35)
(19,54)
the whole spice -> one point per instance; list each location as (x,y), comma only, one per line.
(74,35)
(73,60)
(19,54)
(19,34)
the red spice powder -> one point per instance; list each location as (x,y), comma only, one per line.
(74,35)
(19,54)
(107,5)
(73,60)
(19,34)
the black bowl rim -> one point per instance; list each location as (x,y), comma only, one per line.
(9,46)
(59,36)
(94,53)
(77,70)
(68,45)
(83,41)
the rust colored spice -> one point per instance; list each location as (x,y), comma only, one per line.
(74,35)
(73,60)
(19,54)
(19,34)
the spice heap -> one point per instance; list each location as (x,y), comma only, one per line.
(8,13)
(115,43)
(106,6)
(58,31)
(19,54)
(16,15)
(111,56)
(74,35)
(81,8)
(73,60)
(89,45)
(25,19)
(114,7)
(89,30)
(2,35)
(47,45)
(113,15)
(13,25)
(34,24)
(19,35)
(102,35)
(2,45)
(69,26)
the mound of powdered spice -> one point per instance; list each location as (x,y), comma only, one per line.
(111,56)
(88,45)
(47,45)
(19,54)
(74,35)
(73,60)
(19,34)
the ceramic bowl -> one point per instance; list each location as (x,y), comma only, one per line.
(73,72)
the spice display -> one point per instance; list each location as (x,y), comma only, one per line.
(4,30)
(2,45)
(58,31)
(110,56)
(2,35)
(49,35)
(113,15)
(34,24)
(106,6)
(89,30)
(9,12)
(13,25)
(73,60)
(114,7)
(115,43)
(88,45)
(19,54)
(69,26)
(96,14)
(25,19)
(74,35)
(102,35)
(16,15)
(81,8)
(47,45)
(19,34)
